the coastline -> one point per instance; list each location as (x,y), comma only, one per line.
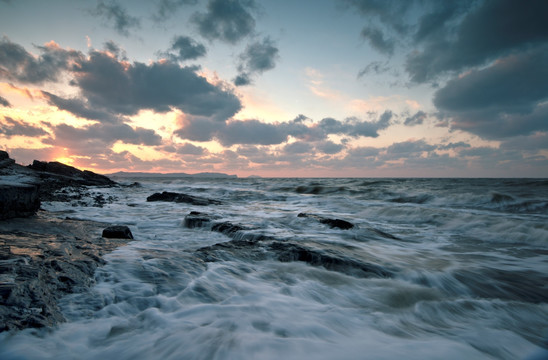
(43,258)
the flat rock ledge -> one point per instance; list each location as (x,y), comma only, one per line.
(43,259)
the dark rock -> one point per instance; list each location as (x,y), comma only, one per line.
(117,232)
(328,259)
(197,219)
(80,177)
(252,246)
(332,223)
(42,260)
(18,200)
(5,159)
(182,198)
(227,228)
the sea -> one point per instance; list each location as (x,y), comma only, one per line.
(421,269)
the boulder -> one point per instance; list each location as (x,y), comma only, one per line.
(197,219)
(117,232)
(332,223)
(18,200)
(5,159)
(182,198)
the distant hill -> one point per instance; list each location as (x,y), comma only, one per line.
(125,174)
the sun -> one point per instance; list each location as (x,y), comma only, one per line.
(64,160)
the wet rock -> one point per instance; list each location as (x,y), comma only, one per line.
(182,198)
(329,259)
(117,232)
(5,159)
(332,223)
(18,200)
(84,177)
(197,219)
(249,245)
(42,259)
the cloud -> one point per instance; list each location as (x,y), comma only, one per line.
(242,79)
(226,20)
(189,149)
(79,108)
(486,33)
(16,64)
(532,143)
(390,13)
(377,40)
(376,67)
(112,12)
(4,102)
(408,148)
(98,138)
(329,147)
(257,58)
(167,8)
(10,127)
(355,127)
(299,147)
(416,119)
(457,145)
(250,132)
(505,99)
(255,132)
(125,88)
(185,48)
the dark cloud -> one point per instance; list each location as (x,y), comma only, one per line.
(189,149)
(355,127)
(242,79)
(505,99)
(251,132)
(16,64)
(4,102)
(113,13)
(10,127)
(439,20)
(185,48)
(375,67)
(377,40)
(115,50)
(389,13)
(416,119)
(260,56)
(254,132)
(457,145)
(257,58)
(299,147)
(167,8)
(532,143)
(160,86)
(79,108)
(226,20)
(408,148)
(329,147)
(197,129)
(98,138)
(494,28)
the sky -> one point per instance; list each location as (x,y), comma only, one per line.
(278,88)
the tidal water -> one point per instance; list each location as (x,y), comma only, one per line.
(432,269)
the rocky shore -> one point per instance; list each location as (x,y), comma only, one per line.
(43,258)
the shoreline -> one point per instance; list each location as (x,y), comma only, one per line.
(43,258)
